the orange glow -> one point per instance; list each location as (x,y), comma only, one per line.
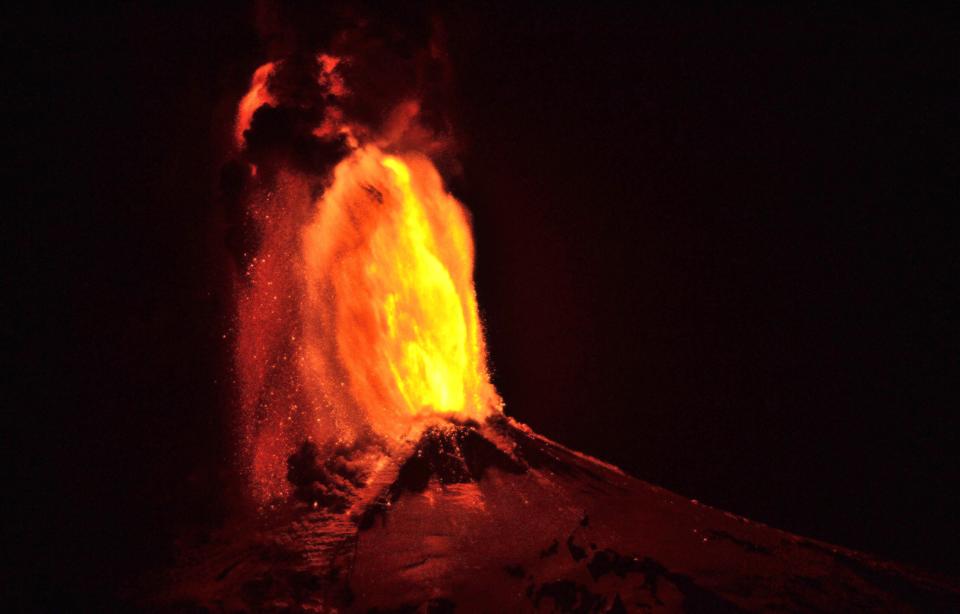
(389,268)
(329,78)
(256,97)
(358,315)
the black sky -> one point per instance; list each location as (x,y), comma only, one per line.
(715,248)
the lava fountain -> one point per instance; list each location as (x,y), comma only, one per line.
(358,317)
(389,295)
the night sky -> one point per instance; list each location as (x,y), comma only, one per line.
(714,248)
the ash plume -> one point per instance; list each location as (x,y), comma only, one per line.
(383,75)
(337,76)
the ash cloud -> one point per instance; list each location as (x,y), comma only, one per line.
(389,87)
(282,136)
(388,84)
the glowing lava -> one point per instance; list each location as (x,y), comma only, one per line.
(359,315)
(389,274)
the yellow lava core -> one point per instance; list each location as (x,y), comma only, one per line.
(389,277)
(356,313)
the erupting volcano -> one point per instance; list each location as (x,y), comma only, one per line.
(382,334)
(380,470)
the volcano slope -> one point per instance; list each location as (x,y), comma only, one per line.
(494,518)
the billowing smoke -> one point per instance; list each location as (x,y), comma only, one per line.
(383,72)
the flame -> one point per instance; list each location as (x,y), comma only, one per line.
(359,315)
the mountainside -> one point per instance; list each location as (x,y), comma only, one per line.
(494,518)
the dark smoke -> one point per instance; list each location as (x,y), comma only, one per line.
(397,79)
(281,136)
(324,480)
